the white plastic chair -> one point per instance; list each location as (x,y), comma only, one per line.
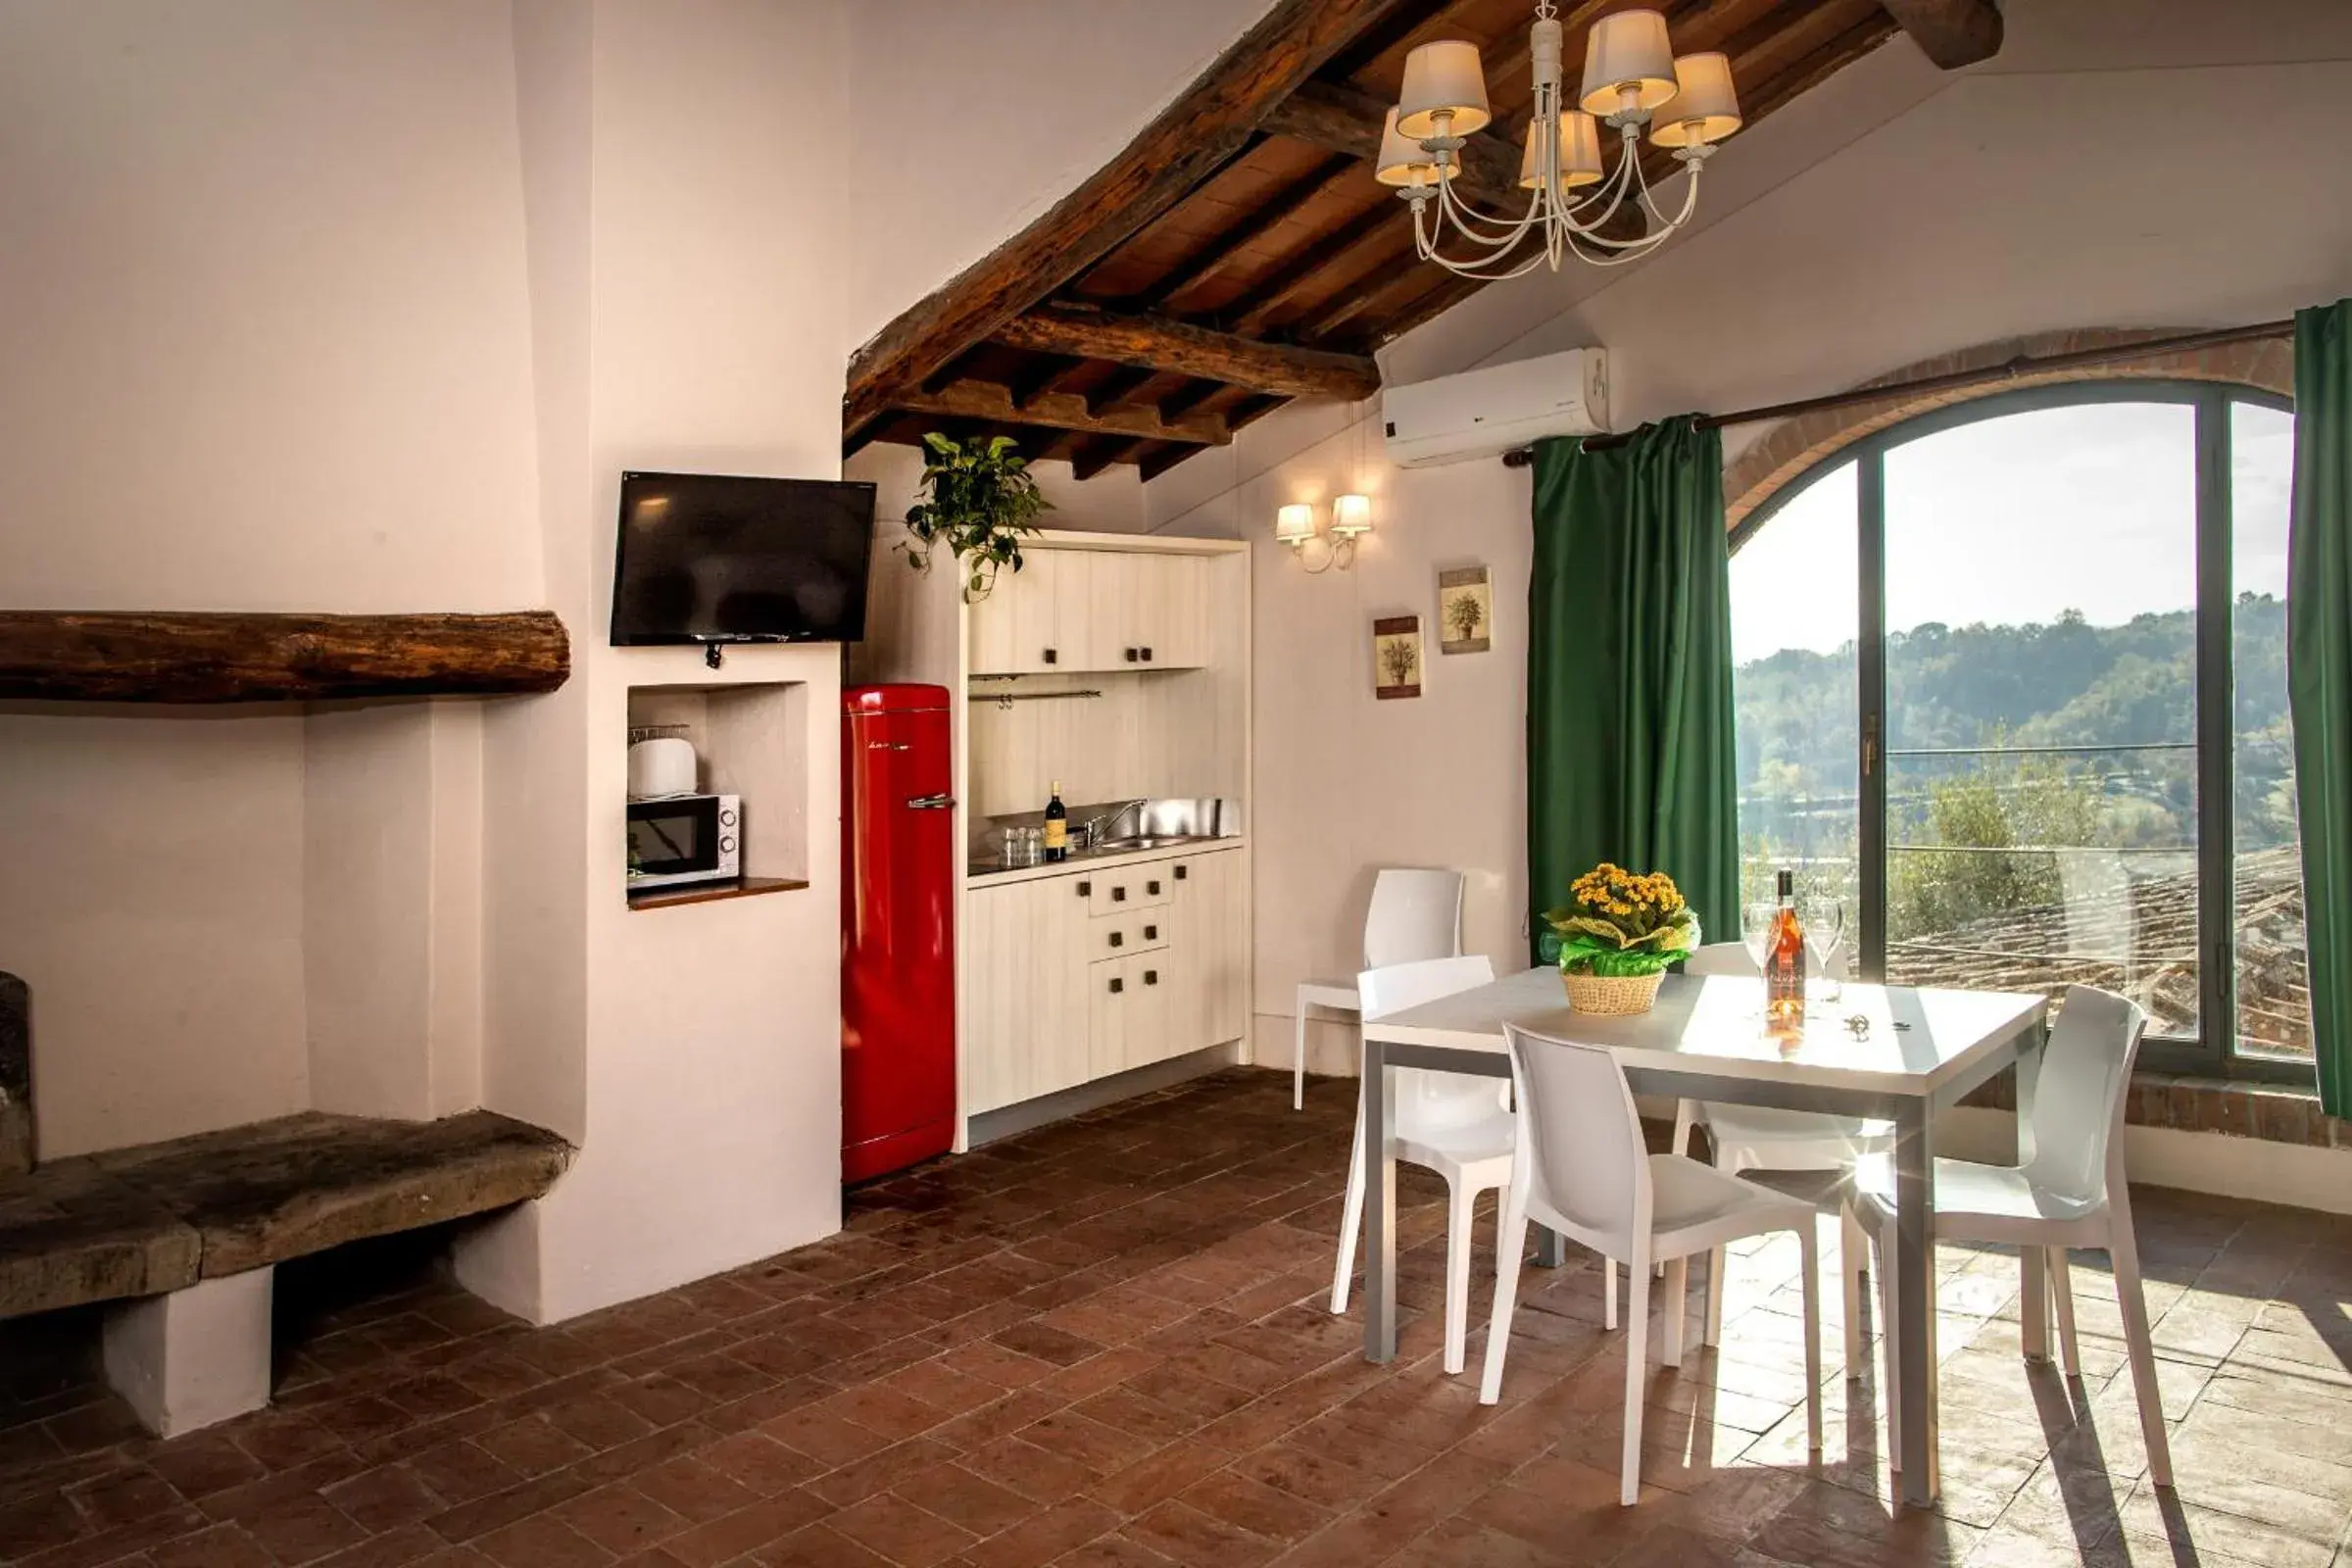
(1748,1138)
(1413,915)
(1456,1124)
(2067,1190)
(1584,1171)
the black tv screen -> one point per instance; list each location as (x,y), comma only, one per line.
(714,557)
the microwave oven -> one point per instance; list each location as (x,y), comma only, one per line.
(685,838)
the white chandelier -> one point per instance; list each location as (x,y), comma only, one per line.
(1632,80)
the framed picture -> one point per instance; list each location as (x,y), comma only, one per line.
(1396,657)
(1465,611)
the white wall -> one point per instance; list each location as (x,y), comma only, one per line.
(686,260)
(2178,172)
(968,121)
(267,350)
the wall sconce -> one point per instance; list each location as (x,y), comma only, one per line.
(1350,519)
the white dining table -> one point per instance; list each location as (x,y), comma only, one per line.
(1705,1040)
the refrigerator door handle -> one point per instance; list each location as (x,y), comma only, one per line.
(931,802)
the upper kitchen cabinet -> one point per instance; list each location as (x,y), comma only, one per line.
(1093,610)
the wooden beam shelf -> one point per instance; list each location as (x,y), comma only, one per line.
(232,656)
(1160,343)
(744,886)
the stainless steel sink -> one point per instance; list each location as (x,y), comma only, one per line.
(1146,841)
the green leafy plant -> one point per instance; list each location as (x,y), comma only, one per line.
(979,499)
(1620,923)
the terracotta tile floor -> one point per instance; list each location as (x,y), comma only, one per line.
(1105,1343)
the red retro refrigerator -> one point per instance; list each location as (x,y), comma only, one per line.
(898,929)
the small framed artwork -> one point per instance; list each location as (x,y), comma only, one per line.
(1465,611)
(1396,657)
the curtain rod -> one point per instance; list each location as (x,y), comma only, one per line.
(2006,371)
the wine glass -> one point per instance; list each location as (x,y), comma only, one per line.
(1825,934)
(1756,924)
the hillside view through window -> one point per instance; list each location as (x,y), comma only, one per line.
(2039,582)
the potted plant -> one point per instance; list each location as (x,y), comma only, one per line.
(978,498)
(1619,931)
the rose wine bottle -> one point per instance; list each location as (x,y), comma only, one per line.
(1058,826)
(1784,964)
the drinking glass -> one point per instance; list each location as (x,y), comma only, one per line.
(1756,922)
(1825,934)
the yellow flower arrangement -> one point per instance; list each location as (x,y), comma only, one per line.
(1620,922)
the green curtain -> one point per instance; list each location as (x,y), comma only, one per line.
(1629,671)
(2318,676)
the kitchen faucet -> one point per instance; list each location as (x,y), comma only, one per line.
(1113,817)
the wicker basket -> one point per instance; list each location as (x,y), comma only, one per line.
(1612,995)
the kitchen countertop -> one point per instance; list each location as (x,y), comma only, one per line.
(989,877)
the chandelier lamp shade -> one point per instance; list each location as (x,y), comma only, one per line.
(1581,164)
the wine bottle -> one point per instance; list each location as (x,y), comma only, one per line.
(1058,826)
(1784,964)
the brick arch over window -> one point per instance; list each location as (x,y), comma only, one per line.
(1795,446)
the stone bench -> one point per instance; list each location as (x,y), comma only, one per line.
(186,1231)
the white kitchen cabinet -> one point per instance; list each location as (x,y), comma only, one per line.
(1123,892)
(1058,995)
(1025,961)
(1128,1013)
(1041,618)
(1209,926)
(1091,610)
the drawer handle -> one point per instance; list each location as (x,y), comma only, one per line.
(1119,938)
(1118,893)
(1151,977)
(1131,655)
(1052,657)
(1147,656)
(1150,933)
(1086,890)
(1180,870)
(1152,889)
(1117,985)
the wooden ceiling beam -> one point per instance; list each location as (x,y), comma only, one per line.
(1157,460)
(1280,208)
(1059,410)
(1343,120)
(1197,134)
(1162,343)
(1117,387)
(1103,451)
(1276,289)
(1951,33)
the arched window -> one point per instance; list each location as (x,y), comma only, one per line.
(2012,690)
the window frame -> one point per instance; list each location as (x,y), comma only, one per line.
(2213,1051)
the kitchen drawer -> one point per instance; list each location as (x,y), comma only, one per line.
(1115,936)
(1131,888)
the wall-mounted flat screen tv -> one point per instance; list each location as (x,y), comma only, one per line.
(708,558)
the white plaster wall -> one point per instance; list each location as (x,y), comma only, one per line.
(686,260)
(265,343)
(968,121)
(1897,213)
(151,895)
(267,349)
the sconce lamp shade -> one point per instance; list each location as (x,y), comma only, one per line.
(1446,78)
(1295,524)
(1628,51)
(1403,159)
(1705,109)
(1350,515)
(1580,153)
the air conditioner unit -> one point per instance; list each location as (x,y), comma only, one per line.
(1480,412)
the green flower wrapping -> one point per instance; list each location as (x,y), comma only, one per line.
(1618,923)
